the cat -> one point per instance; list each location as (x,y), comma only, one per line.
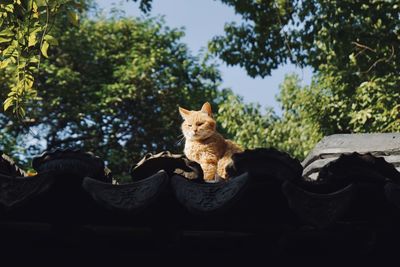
(204,145)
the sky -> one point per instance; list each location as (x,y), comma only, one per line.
(202,20)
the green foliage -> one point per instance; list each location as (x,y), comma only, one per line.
(144,5)
(376,105)
(352,46)
(258,44)
(311,112)
(24,27)
(296,132)
(244,123)
(113,87)
(373,106)
(24,39)
(360,39)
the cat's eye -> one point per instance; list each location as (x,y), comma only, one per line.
(189,125)
(199,123)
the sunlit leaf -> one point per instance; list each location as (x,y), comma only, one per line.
(4,63)
(73,18)
(7,32)
(5,40)
(41,3)
(8,103)
(50,39)
(44,48)
(21,112)
(32,39)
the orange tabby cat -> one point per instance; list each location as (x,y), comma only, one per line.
(205,145)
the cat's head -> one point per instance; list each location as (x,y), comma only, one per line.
(198,125)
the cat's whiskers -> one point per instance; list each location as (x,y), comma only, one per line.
(181,139)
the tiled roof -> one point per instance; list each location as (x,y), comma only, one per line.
(348,187)
(386,145)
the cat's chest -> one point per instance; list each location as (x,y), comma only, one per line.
(197,151)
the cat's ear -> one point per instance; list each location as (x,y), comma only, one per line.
(184,112)
(206,108)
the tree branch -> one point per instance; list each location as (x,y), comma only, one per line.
(70,139)
(363,47)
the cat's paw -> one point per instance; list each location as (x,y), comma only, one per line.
(223,174)
(212,181)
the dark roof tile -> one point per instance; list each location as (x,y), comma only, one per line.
(129,197)
(346,179)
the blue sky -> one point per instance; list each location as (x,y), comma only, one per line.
(203,19)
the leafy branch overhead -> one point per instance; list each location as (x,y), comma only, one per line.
(363,37)
(25,27)
(354,49)
(24,39)
(117,95)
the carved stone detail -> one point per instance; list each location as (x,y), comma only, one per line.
(73,162)
(171,163)
(16,190)
(208,197)
(126,197)
(320,210)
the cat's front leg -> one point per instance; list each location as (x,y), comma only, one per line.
(209,167)
(223,163)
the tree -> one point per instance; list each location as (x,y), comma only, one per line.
(113,87)
(244,123)
(311,112)
(359,38)
(108,77)
(25,38)
(353,48)
(296,132)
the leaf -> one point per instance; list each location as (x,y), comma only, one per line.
(73,18)
(12,49)
(21,64)
(32,39)
(4,40)
(21,112)
(35,10)
(8,103)
(7,32)
(12,93)
(28,83)
(4,64)
(33,60)
(50,39)
(41,3)
(44,48)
